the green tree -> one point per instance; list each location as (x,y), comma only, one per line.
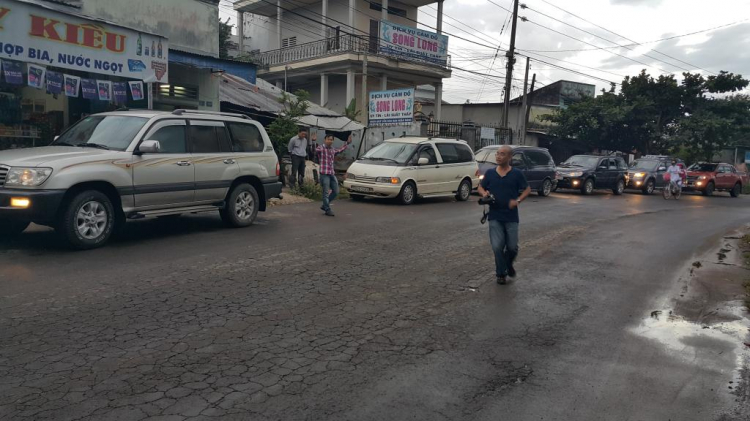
(225,34)
(713,126)
(285,126)
(351,112)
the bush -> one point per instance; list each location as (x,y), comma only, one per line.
(315,193)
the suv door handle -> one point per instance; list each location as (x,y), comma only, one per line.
(229,161)
(183,163)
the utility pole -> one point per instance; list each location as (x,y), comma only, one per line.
(365,97)
(511,61)
(528,109)
(522,111)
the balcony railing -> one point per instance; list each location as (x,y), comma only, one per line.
(344,43)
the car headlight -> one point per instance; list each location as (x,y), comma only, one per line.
(389,180)
(350,176)
(639,175)
(27,177)
(575,173)
(703,177)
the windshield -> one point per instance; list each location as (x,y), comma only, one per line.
(703,167)
(644,165)
(581,161)
(106,132)
(391,151)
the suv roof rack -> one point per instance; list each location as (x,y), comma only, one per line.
(181,111)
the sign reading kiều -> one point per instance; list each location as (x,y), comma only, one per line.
(34,34)
(391,107)
(399,40)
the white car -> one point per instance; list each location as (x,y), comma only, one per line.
(411,167)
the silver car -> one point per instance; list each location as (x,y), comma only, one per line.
(121,165)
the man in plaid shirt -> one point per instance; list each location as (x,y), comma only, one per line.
(326,154)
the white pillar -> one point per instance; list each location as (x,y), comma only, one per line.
(384,82)
(349,86)
(438,101)
(384,11)
(352,8)
(324,19)
(440,17)
(279,14)
(241,31)
(324,90)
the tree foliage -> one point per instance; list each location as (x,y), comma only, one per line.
(225,38)
(659,115)
(285,126)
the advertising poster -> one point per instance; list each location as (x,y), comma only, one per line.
(71,85)
(104,87)
(88,89)
(120,92)
(136,90)
(405,41)
(13,72)
(36,76)
(54,82)
(394,107)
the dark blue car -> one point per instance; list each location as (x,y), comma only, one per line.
(536,163)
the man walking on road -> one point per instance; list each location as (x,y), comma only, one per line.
(298,152)
(328,182)
(504,183)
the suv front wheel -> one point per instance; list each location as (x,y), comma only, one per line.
(87,220)
(241,207)
(619,187)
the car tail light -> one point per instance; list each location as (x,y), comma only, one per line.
(476,174)
(278,170)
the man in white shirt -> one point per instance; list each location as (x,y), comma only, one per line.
(298,153)
(675,173)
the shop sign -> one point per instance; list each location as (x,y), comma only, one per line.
(398,40)
(38,35)
(394,107)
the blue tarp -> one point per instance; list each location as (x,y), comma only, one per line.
(246,71)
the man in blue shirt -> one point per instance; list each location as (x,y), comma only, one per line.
(505,183)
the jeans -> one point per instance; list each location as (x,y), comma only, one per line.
(298,170)
(504,240)
(329,182)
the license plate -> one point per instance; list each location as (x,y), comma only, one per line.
(361,189)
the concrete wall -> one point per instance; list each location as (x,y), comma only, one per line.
(190,25)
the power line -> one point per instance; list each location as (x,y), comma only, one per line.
(624,37)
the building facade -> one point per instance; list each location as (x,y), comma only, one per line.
(327,46)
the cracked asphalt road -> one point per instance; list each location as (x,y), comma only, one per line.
(383,312)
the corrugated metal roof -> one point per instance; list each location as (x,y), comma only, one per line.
(264,96)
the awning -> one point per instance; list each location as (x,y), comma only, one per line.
(264,97)
(245,70)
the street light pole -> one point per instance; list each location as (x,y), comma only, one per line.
(511,61)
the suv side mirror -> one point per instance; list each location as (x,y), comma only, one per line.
(423,161)
(149,146)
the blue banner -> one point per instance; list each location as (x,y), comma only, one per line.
(406,41)
(88,88)
(13,72)
(121,92)
(54,82)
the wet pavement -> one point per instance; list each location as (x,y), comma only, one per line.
(385,312)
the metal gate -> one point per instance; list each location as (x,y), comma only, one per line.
(471,133)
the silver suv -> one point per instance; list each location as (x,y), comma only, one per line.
(121,165)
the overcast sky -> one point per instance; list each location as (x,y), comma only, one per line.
(640,21)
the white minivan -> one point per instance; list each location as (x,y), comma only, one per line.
(412,167)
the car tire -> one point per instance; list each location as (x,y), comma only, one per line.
(546,188)
(464,191)
(12,228)
(408,193)
(649,187)
(588,186)
(736,190)
(88,220)
(357,197)
(241,207)
(709,190)
(619,187)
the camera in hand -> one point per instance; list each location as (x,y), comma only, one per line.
(488,200)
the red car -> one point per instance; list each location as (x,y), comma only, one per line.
(708,177)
